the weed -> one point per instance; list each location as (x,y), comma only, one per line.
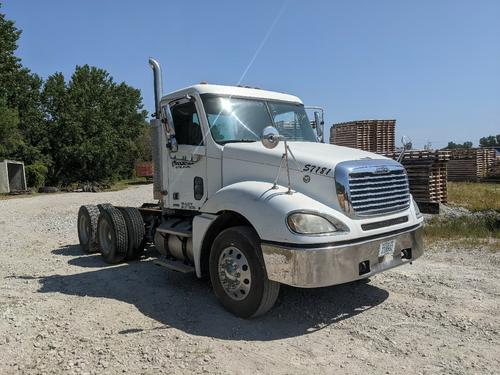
(475,196)
(474,230)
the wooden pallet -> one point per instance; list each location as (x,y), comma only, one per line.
(493,174)
(471,164)
(427,175)
(369,135)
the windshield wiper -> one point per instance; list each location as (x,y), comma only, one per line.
(238,141)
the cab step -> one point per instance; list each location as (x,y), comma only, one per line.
(174,265)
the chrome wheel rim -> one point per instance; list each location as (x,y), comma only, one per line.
(84,229)
(105,237)
(234,273)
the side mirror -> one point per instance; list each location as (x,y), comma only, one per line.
(270,137)
(319,125)
(407,143)
(172,144)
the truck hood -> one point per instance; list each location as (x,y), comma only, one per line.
(316,158)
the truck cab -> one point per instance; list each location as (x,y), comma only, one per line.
(249,195)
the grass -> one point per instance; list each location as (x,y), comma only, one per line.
(480,230)
(474,196)
(123,184)
(464,227)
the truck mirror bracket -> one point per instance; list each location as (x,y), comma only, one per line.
(172,144)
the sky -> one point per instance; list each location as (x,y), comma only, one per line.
(434,66)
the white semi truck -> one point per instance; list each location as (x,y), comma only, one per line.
(249,196)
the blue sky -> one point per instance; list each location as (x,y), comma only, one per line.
(432,65)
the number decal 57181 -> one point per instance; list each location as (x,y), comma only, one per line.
(317,169)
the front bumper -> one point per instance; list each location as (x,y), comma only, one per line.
(337,263)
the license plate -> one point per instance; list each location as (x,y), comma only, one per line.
(386,247)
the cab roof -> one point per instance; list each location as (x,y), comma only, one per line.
(234,91)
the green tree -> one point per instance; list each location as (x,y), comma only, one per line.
(144,144)
(10,136)
(9,64)
(490,141)
(20,94)
(87,129)
(453,145)
(93,124)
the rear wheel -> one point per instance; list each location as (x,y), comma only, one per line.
(135,231)
(88,216)
(104,206)
(112,235)
(238,274)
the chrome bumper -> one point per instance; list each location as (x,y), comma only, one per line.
(336,264)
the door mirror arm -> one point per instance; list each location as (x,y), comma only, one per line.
(172,144)
(169,129)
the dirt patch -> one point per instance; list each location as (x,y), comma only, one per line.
(65,312)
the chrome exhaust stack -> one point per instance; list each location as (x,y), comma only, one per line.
(158,138)
(158,84)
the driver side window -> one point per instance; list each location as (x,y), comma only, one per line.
(187,124)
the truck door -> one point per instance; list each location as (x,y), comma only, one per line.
(187,172)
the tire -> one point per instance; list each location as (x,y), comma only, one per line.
(112,235)
(88,216)
(135,231)
(104,206)
(260,293)
(48,189)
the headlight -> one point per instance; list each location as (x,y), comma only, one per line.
(308,223)
(418,214)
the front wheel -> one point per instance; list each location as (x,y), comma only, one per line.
(238,275)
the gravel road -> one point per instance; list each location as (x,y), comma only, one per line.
(65,312)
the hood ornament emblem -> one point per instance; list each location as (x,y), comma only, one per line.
(381,170)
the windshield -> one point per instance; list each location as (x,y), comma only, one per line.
(242,120)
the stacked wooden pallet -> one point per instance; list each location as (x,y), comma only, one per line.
(368,135)
(494,172)
(471,164)
(427,172)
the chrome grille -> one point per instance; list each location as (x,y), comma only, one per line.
(372,187)
(373,194)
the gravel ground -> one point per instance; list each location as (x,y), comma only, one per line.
(65,312)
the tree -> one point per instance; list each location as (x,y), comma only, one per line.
(87,129)
(93,124)
(9,63)
(20,94)
(490,141)
(10,136)
(144,144)
(453,145)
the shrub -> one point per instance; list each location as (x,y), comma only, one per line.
(36,174)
